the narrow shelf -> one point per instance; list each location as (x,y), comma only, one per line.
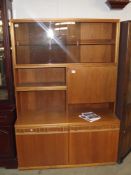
(36,66)
(97,42)
(41,86)
(69,42)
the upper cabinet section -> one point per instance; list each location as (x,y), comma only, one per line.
(69,41)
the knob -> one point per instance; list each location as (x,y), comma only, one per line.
(73,71)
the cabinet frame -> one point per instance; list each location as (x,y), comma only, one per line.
(30,120)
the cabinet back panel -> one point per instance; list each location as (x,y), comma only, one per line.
(45,75)
(96,53)
(92,31)
(41,100)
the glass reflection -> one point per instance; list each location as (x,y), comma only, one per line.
(3,90)
(129,86)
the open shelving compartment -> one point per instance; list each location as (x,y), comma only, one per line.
(63,67)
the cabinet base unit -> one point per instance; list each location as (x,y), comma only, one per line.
(67,144)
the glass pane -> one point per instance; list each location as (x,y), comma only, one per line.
(64,42)
(3,88)
(129,86)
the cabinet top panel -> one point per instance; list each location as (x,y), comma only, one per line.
(64,19)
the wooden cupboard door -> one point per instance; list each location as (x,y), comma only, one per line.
(39,150)
(96,84)
(93,147)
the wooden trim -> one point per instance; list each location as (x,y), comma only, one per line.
(63,19)
(41,88)
(117,55)
(13,44)
(35,66)
(117,42)
(66,166)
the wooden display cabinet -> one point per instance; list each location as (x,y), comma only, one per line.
(63,67)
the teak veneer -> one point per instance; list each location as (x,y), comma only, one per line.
(56,79)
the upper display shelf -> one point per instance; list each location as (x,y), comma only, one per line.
(67,41)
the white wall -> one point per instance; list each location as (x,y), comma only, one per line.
(68,9)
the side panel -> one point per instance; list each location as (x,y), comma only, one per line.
(123,104)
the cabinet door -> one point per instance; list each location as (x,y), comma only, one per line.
(39,150)
(6,142)
(88,147)
(91,84)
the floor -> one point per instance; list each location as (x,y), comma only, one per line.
(118,169)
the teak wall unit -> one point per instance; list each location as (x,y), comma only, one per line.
(63,67)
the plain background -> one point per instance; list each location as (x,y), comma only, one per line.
(68,9)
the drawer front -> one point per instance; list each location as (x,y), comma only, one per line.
(41,130)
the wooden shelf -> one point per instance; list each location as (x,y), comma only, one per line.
(41,86)
(41,119)
(65,20)
(97,42)
(37,66)
(72,42)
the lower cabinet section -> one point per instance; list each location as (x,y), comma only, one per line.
(93,147)
(55,147)
(36,150)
